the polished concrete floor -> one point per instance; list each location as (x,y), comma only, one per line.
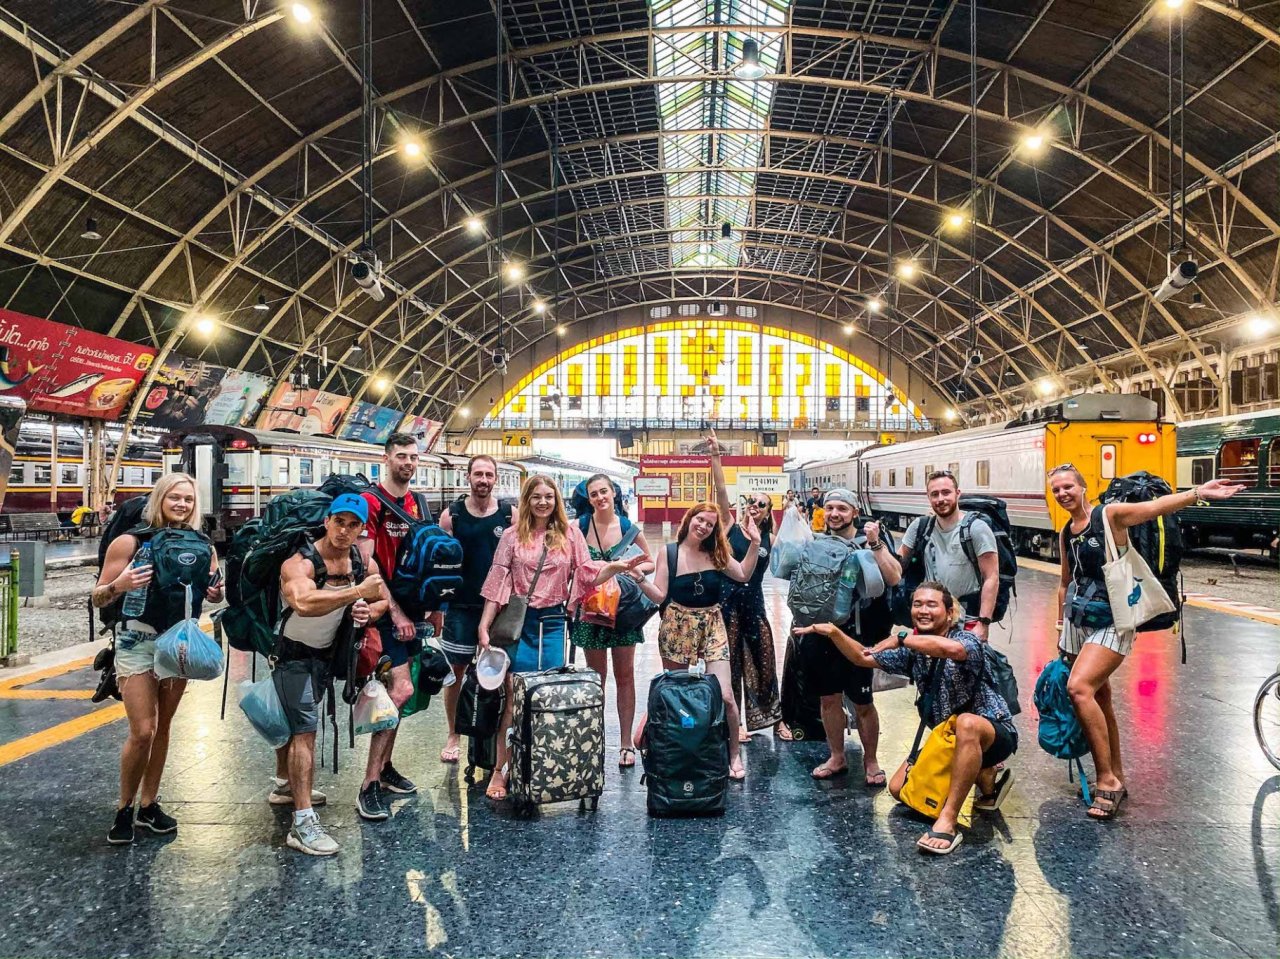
(795,868)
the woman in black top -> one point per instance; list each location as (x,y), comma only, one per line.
(692,579)
(752,662)
(1088,635)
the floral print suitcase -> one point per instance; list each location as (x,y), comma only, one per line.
(557,738)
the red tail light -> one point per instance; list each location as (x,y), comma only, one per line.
(1146,439)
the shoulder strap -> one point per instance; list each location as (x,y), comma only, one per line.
(966,539)
(926,705)
(357,565)
(673,557)
(455,509)
(585,521)
(504,510)
(533,584)
(389,504)
(423,507)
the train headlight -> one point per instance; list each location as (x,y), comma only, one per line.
(1146,439)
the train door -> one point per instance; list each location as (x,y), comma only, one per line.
(202,457)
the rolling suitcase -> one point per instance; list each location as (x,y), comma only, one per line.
(556,737)
(686,746)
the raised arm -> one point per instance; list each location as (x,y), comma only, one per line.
(717,479)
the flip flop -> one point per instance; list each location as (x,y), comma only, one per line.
(992,802)
(830,773)
(953,839)
(783,731)
(877,781)
(629,753)
(450,754)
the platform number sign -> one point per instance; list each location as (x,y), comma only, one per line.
(521,439)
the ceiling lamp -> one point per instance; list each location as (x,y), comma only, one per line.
(474,225)
(875,305)
(848,329)
(949,415)
(539,306)
(956,220)
(302,13)
(1197,301)
(91,230)
(561,330)
(1033,142)
(381,384)
(412,148)
(726,233)
(1045,387)
(1258,325)
(463,411)
(906,269)
(261,306)
(204,325)
(514,272)
(749,67)
(1173,4)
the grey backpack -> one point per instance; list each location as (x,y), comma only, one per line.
(814,584)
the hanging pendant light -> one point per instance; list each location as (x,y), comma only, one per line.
(749,67)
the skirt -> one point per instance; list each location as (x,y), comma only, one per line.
(751,658)
(543,629)
(687,635)
(591,636)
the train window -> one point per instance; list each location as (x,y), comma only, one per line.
(326,468)
(69,476)
(119,477)
(375,470)
(909,479)
(1273,469)
(344,468)
(1237,461)
(238,470)
(984,472)
(954,470)
(928,470)
(875,478)
(17,473)
(1202,468)
(44,475)
(155,476)
(893,477)
(282,471)
(306,471)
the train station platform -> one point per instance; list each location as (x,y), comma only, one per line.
(794,868)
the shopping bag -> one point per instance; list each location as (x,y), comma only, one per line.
(427,671)
(882,682)
(1134,592)
(261,704)
(600,607)
(374,711)
(369,651)
(788,546)
(185,651)
(929,778)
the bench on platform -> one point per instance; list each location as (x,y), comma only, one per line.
(44,526)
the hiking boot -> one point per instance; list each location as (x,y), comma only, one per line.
(282,795)
(370,804)
(121,833)
(309,837)
(156,819)
(392,781)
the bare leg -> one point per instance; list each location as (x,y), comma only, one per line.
(624,678)
(169,696)
(722,671)
(1113,729)
(282,763)
(973,735)
(451,750)
(869,736)
(302,769)
(140,693)
(497,788)
(832,708)
(1092,668)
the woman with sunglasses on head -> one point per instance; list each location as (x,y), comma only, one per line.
(1089,636)
(604,529)
(752,662)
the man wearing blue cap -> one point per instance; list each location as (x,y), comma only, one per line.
(326,590)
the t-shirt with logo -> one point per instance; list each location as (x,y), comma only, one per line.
(386,529)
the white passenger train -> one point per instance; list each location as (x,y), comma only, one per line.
(1102,435)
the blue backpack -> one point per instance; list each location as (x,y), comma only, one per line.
(1061,734)
(428,569)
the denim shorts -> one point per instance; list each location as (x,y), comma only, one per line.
(135,653)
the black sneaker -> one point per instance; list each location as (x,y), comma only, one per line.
(121,833)
(156,819)
(370,804)
(394,782)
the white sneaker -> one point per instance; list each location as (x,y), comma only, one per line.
(282,795)
(309,837)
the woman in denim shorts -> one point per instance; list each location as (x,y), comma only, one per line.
(149,702)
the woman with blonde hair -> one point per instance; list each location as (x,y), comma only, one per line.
(170,525)
(544,559)
(691,580)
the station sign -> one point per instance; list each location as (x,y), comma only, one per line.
(522,439)
(773,484)
(653,485)
(887,439)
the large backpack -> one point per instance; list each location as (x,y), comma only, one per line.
(873,617)
(685,746)
(816,580)
(180,559)
(428,569)
(126,519)
(1060,733)
(1158,540)
(582,507)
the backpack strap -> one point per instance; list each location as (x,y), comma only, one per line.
(389,504)
(966,539)
(584,522)
(926,705)
(421,499)
(673,557)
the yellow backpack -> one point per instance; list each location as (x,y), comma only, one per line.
(929,777)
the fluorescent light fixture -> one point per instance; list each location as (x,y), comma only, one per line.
(749,67)
(261,306)
(91,230)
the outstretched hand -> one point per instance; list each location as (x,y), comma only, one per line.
(1217,489)
(822,629)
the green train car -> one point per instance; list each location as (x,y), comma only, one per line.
(1244,448)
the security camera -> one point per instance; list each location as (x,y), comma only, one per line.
(974,359)
(367,272)
(1179,278)
(500,359)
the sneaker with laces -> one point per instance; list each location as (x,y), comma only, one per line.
(282,795)
(370,804)
(121,833)
(310,837)
(156,819)
(392,781)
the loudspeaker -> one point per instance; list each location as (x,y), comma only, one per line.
(769,439)
(626,440)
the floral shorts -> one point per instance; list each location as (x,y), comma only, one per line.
(688,635)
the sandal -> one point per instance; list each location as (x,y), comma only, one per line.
(497,791)
(826,772)
(876,780)
(783,731)
(450,754)
(1112,799)
(626,757)
(953,839)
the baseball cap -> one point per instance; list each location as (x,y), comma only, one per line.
(840,495)
(350,503)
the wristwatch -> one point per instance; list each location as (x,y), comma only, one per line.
(902,638)
(985,620)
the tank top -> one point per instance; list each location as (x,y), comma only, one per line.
(739,544)
(693,590)
(318,632)
(1086,550)
(479,536)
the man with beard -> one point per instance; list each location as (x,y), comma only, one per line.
(959,551)
(477,521)
(401,637)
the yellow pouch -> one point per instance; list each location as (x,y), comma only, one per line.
(929,779)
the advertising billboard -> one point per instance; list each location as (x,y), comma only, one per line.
(369,423)
(237,399)
(310,412)
(180,392)
(67,370)
(427,431)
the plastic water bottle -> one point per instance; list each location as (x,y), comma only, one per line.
(135,601)
(850,572)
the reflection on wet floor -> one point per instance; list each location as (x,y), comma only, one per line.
(794,867)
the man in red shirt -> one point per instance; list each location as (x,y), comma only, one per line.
(401,636)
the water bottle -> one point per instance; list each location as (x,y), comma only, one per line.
(850,572)
(135,601)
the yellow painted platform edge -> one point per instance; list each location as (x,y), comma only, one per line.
(61,733)
(26,679)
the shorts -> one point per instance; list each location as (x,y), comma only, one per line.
(687,635)
(459,640)
(301,685)
(828,673)
(400,652)
(1075,638)
(135,653)
(1003,746)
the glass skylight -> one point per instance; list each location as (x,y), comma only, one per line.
(702,190)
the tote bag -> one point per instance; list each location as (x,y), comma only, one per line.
(1133,590)
(929,778)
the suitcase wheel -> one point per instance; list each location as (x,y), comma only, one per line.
(470,775)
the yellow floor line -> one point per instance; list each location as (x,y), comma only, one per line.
(61,733)
(12,694)
(26,679)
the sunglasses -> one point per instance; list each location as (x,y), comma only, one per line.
(1064,468)
(940,474)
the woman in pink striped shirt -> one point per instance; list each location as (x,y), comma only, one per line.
(542,534)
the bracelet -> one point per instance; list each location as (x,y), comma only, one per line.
(876,546)
(1199,500)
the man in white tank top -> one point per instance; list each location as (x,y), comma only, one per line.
(316,601)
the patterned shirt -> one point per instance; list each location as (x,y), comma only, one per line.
(961,689)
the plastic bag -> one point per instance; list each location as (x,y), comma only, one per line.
(601,605)
(185,651)
(374,711)
(788,546)
(261,704)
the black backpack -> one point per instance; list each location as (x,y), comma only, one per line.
(1159,540)
(685,746)
(581,504)
(126,519)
